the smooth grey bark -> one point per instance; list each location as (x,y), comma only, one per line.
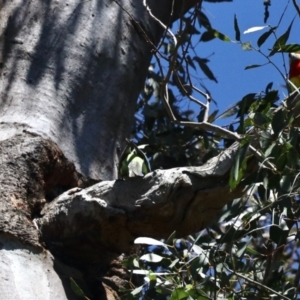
(15,257)
(72,71)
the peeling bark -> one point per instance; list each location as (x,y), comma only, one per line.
(33,171)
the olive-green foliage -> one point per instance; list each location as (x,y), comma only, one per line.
(252,250)
(133,162)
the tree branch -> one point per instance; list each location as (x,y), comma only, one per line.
(296,7)
(258,284)
(112,214)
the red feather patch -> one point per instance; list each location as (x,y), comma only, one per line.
(294,69)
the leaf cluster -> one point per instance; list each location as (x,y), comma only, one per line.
(252,250)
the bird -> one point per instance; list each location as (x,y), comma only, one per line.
(293,100)
(133,162)
(294,73)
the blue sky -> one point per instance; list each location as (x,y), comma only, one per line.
(228,60)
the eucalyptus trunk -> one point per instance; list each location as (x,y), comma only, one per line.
(71,72)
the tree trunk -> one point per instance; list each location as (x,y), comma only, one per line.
(71,72)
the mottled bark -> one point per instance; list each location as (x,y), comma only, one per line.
(32,170)
(111,214)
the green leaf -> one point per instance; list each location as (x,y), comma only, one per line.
(282,224)
(152,276)
(190,62)
(221,36)
(202,19)
(229,112)
(128,262)
(213,33)
(252,251)
(261,119)
(265,140)
(137,290)
(231,210)
(212,116)
(246,46)
(237,30)
(136,166)
(281,41)
(229,236)
(133,162)
(245,104)
(265,36)
(207,36)
(242,246)
(202,255)
(253,66)
(173,264)
(269,150)
(140,272)
(268,87)
(254,29)
(179,294)
(135,263)
(286,183)
(271,96)
(149,241)
(76,289)
(278,122)
(289,48)
(277,235)
(151,257)
(239,166)
(203,296)
(202,62)
(280,157)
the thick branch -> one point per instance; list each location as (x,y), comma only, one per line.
(111,214)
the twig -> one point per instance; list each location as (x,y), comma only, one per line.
(296,89)
(160,22)
(211,127)
(138,25)
(187,94)
(165,94)
(257,154)
(296,7)
(165,32)
(257,283)
(207,96)
(165,97)
(268,267)
(297,276)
